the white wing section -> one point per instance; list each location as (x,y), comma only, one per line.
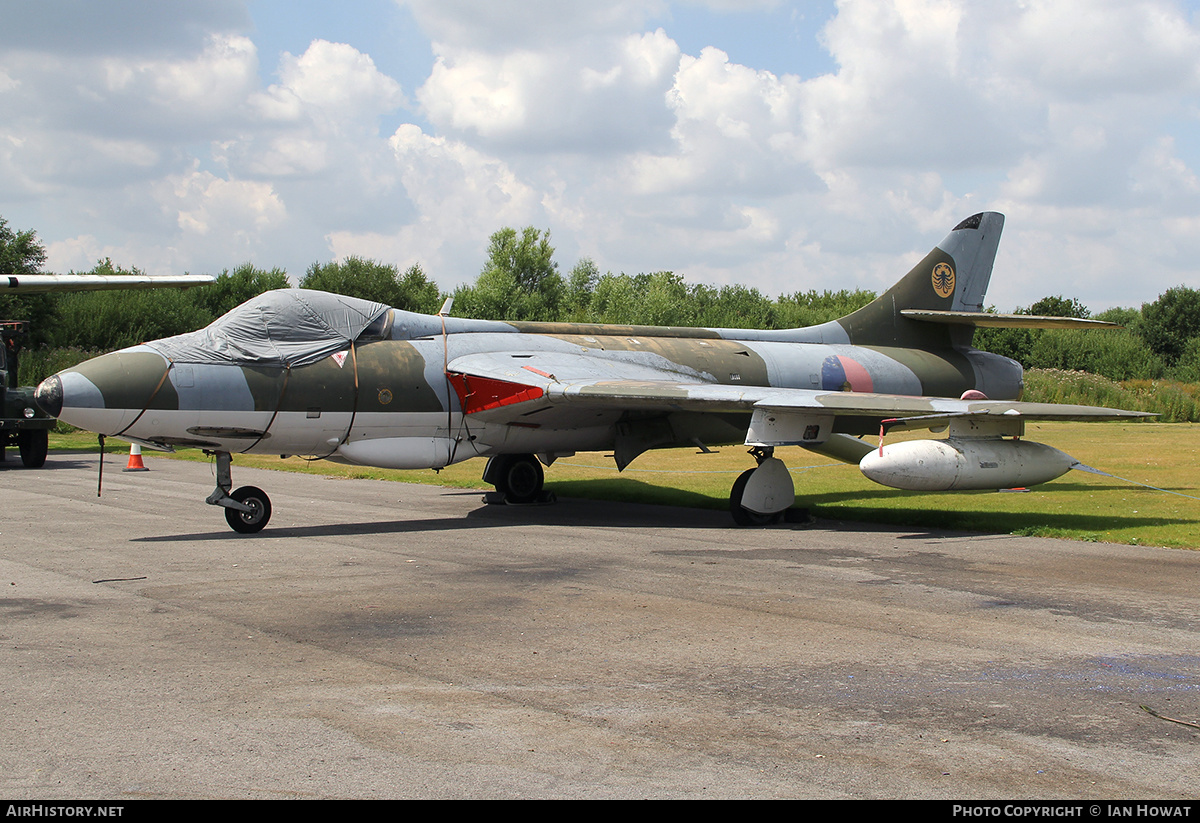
(35,283)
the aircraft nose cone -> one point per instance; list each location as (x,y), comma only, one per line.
(49,395)
(107,394)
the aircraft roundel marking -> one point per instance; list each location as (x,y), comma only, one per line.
(943,279)
(385,397)
(840,373)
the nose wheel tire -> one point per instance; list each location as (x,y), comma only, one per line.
(254,520)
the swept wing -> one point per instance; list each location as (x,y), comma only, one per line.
(587,382)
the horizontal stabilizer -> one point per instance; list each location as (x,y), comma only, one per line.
(988,320)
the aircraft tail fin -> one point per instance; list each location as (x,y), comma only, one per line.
(951,278)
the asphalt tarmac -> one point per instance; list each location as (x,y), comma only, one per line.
(382,640)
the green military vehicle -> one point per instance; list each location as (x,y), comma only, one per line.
(22,423)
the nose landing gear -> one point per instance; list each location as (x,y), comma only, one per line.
(248,509)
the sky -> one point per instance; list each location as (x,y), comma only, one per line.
(777,144)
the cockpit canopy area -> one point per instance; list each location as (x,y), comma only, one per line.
(284,327)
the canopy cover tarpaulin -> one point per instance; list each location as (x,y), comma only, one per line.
(285,327)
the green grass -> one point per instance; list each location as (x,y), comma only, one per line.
(1077,506)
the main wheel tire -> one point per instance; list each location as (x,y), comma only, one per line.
(252,521)
(520,478)
(34,445)
(743,516)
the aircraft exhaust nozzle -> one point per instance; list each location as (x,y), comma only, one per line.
(960,464)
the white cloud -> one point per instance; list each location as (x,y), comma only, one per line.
(532,25)
(461,196)
(1160,176)
(912,89)
(135,28)
(165,148)
(335,83)
(735,129)
(607,95)
(1085,49)
(205,204)
(200,88)
(121,149)
(321,120)
(168,97)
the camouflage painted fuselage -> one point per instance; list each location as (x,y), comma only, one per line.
(400,403)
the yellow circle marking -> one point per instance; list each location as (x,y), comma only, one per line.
(385,397)
(943,279)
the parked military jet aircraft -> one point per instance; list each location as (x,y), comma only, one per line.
(309,373)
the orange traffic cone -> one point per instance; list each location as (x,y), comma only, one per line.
(135,459)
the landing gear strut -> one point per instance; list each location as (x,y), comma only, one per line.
(518,479)
(247,509)
(761,497)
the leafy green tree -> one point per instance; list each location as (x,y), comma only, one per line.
(22,253)
(529,258)
(1019,344)
(1128,317)
(418,292)
(1058,306)
(519,281)
(1187,368)
(1117,354)
(656,299)
(1170,321)
(581,286)
(665,300)
(370,280)
(734,307)
(115,319)
(231,289)
(812,308)
(615,300)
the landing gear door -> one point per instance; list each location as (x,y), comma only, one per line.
(775,427)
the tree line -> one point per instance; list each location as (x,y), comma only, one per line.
(1161,340)
(520,280)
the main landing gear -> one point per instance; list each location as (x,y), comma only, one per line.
(247,509)
(762,496)
(518,479)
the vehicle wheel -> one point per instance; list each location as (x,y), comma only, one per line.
(520,478)
(252,521)
(34,445)
(743,516)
